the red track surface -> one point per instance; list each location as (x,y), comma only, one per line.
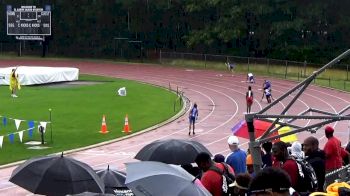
(221,102)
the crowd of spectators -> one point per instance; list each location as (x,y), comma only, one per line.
(283,167)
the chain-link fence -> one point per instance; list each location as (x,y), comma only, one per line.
(336,77)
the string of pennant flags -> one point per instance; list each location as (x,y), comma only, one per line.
(31,125)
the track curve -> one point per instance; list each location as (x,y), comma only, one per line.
(220,97)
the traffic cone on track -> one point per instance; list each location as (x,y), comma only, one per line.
(104,125)
(126,125)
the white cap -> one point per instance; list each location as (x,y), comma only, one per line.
(233,140)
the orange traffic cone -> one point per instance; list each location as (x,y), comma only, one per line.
(126,125)
(104,125)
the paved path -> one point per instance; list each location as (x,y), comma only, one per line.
(221,100)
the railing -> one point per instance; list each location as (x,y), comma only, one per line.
(337,77)
(341,174)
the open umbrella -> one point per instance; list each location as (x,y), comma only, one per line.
(93,194)
(172,151)
(114,181)
(56,175)
(241,130)
(151,178)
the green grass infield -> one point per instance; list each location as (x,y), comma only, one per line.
(76,112)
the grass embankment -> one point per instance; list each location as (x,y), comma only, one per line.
(77,113)
(334,77)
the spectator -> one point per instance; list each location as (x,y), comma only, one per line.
(211,180)
(249,163)
(237,158)
(347,158)
(285,162)
(194,171)
(270,181)
(316,158)
(241,184)
(347,148)
(296,151)
(332,151)
(219,158)
(267,157)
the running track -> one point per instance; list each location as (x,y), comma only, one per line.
(221,100)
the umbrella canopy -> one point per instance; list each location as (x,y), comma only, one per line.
(114,181)
(171,151)
(159,179)
(241,130)
(93,194)
(56,175)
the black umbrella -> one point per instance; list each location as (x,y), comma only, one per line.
(114,181)
(56,175)
(171,151)
(93,194)
(160,179)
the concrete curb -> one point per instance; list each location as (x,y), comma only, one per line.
(172,119)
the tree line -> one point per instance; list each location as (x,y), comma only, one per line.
(314,30)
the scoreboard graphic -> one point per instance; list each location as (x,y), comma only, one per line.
(29,21)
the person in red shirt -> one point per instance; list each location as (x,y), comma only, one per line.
(211,180)
(334,154)
(333,151)
(285,162)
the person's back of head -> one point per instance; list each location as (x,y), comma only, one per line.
(233,142)
(203,161)
(219,158)
(296,150)
(267,146)
(241,184)
(270,181)
(329,131)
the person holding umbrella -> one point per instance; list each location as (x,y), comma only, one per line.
(14,83)
(193,116)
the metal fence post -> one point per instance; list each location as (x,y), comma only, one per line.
(285,73)
(347,72)
(268,66)
(160,56)
(248,64)
(298,75)
(205,60)
(329,81)
(305,68)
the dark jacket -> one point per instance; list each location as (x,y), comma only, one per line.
(317,161)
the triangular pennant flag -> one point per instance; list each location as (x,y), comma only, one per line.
(44,125)
(4,121)
(1,140)
(17,122)
(12,138)
(20,134)
(31,128)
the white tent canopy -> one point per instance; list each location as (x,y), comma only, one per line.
(39,75)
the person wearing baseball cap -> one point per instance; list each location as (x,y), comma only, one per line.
(237,158)
(332,151)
